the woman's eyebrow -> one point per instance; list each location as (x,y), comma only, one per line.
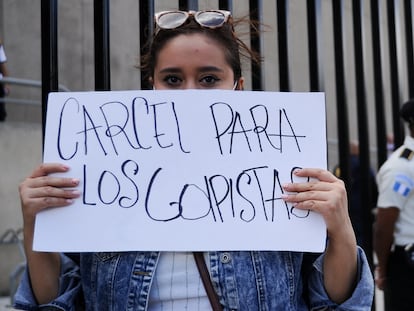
(210,68)
(201,69)
(170,69)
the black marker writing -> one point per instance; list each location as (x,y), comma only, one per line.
(229,124)
(115,124)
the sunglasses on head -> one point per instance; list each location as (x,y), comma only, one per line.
(208,19)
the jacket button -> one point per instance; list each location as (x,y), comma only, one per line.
(225,258)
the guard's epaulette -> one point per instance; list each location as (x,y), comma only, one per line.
(407,154)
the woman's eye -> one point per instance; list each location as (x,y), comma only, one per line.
(172,80)
(209,80)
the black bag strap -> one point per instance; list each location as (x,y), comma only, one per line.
(205,277)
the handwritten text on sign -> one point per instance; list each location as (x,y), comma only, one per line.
(183,170)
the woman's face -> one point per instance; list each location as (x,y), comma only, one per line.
(193,61)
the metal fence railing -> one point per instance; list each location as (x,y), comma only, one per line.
(376,50)
(25,83)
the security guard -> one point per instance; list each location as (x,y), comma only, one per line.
(394,227)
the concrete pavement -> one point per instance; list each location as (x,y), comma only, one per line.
(5,304)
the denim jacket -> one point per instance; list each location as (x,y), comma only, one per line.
(243,281)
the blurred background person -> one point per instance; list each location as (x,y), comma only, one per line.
(4,89)
(356,190)
(390,144)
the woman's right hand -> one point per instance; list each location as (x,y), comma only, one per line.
(38,192)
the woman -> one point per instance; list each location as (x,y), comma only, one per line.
(198,51)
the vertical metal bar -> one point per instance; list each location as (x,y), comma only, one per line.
(102,51)
(312,46)
(393,57)
(362,121)
(182,5)
(188,5)
(192,5)
(226,5)
(321,46)
(256,14)
(341,101)
(146,17)
(409,41)
(378,84)
(282,27)
(49,26)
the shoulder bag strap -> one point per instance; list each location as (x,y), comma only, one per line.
(205,277)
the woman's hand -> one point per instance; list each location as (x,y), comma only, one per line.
(326,195)
(38,192)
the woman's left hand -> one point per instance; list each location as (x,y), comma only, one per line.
(323,193)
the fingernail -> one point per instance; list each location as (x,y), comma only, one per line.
(285,186)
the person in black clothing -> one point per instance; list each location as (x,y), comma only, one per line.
(355,190)
(4,89)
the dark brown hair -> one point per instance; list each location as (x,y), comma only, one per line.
(225,36)
(407,113)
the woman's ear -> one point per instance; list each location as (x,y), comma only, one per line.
(151,81)
(240,84)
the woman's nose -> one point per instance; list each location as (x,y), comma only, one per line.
(190,84)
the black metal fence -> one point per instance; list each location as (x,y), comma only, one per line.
(400,62)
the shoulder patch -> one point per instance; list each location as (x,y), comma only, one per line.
(403,185)
(407,154)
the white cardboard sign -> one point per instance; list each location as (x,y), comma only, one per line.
(183,170)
